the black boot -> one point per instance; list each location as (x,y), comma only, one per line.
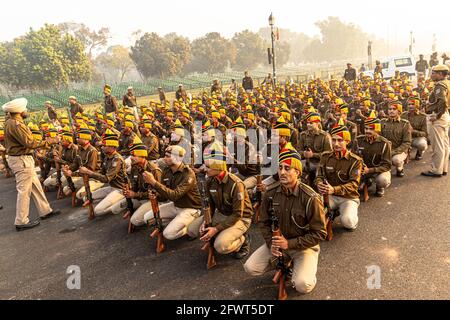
(29,225)
(380,192)
(245,248)
(401,173)
(418,155)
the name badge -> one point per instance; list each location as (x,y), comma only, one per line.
(213,191)
(330,168)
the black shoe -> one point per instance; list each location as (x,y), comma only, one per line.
(401,173)
(418,155)
(431,174)
(29,225)
(380,192)
(444,173)
(51,214)
(245,248)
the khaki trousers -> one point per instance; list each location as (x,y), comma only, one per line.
(121,206)
(110,197)
(138,216)
(93,185)
(27,184)
(439,143)
(348,209)
(383,180)
(304,267)
(228,240)
(420,143)
(398,161)
(177,220)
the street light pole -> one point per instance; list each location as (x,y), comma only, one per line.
(274,72)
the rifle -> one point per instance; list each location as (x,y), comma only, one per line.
(87,187)
(208,246)
(283,266)
(258,194)
(70,183)
(158,227)
(329,214)
(365,180)
(59,192)
(130,208)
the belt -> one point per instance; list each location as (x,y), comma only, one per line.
(30,155)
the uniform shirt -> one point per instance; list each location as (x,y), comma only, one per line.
(113,171)
(129,100)
(300,215)
(439,99)
(242,162)
(69,155)
(110,104)
(398,132)
(152,143)
(247,83)
(418,121)
(375,153)
(138,183)
(318,141)
(230,198)
(125,142)
(51,112)
(180,187)
(87,158)
(18,138)
(75,108)
(341,172)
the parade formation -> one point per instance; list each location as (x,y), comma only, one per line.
(289,159)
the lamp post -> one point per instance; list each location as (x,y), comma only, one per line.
(274,72)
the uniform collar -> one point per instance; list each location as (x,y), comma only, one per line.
(180,168)
(343,154)
(222,177)
(17,117)
(394,120)
(288,191)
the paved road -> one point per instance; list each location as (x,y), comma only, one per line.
(406,234)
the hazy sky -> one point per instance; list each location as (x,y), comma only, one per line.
(389,19)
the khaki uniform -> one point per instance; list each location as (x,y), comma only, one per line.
(110,104)
(125,142)
(19,145)
(418,121)
(439,100)
(75,108)
(301,219)
(152,143)
(87,157)
(232,202)
(138,185)
(245,163)
(398,132)
(180,188)
(376,155)
(344,174)
(68,156)
(113,172)
(318,142)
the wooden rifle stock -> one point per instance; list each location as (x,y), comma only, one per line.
(257,206)
(329,215)
(211,261)
(87,187)
(282,268)
(59,192)
(158,227)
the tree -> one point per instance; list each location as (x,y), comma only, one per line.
(91,39)
(282,52)
(153,57)
(116,59)
(211,53)
(297,41)
(181,47)
(250,50)
(43,59)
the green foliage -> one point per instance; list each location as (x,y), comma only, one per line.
(156,56)
(250,50)
(43,59)
(212,54)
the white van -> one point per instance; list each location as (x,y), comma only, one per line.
(405,64)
